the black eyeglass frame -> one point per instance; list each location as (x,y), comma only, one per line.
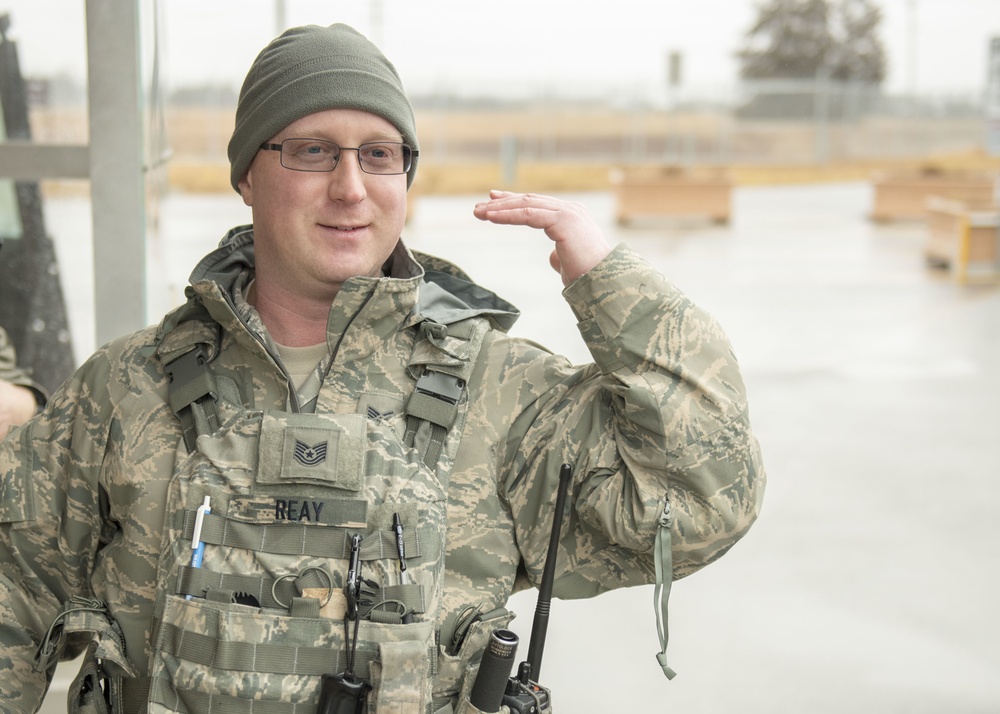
(409,153)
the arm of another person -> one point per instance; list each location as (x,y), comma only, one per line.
(661,415)
(50,518)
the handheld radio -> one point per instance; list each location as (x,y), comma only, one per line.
(522,694)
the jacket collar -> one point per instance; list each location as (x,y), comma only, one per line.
(407,295)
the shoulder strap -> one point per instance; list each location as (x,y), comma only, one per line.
(186,348)
(193,393)
(444,356)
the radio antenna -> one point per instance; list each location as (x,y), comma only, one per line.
(541,621)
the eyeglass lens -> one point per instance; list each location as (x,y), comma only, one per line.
(318,155)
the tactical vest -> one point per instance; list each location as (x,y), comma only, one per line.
(253,619)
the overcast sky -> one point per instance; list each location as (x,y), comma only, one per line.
(932,45)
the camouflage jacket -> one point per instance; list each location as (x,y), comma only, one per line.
(659,415)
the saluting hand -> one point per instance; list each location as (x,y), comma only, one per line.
(580,244)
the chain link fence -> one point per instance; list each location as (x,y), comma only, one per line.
(813,123)
(786,122)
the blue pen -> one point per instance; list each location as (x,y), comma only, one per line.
(197,545)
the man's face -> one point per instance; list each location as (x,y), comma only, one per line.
(314,230)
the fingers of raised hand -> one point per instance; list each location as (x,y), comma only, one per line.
(528,209)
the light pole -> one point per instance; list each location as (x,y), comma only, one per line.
(911,48)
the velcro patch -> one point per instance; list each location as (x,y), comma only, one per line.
(300,507)
(322,449)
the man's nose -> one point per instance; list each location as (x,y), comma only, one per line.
(347,180)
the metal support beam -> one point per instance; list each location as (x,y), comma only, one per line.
(118,184)
(27,161)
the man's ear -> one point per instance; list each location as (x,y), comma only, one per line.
(246,187)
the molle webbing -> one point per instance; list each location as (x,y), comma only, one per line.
(165,696)
(271,658)
(269,592)
(267,659)
(279,592)
(297,539)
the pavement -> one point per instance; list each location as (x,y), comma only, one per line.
(870,581)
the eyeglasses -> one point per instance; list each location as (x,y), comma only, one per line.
(378,157)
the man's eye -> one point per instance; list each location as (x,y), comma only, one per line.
(379,152)
(310,150)
(316,150)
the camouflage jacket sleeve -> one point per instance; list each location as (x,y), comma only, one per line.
(50,523)
(660,414)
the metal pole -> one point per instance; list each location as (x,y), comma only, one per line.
(911,48)
(280,16)
(116,167)
(377,22)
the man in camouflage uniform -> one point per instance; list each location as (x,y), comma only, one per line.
(20,396)
(322,383)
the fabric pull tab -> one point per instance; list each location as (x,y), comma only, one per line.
(664,561)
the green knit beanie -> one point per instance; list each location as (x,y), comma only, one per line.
(310,69)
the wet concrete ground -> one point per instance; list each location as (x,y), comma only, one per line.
(870,582)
